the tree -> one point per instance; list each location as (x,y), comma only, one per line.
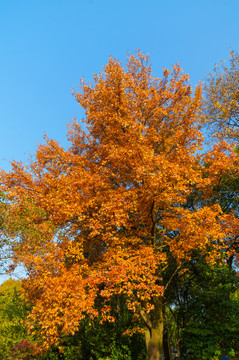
(5,250)
(205,310)
(13,310)
(221,109)
(106,216)
(221,117)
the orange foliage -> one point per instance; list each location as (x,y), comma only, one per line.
(98,218)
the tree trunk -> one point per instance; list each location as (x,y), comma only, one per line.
(154,332)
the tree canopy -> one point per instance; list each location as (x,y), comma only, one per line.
(110,214)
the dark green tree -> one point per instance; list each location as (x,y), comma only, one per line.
(206,311)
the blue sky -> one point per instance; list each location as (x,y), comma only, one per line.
(47,45)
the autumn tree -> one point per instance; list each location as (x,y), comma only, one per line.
(106,216)
(220,117)
(221,107)
(6,241)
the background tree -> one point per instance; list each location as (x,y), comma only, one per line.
(13,310)
(6,240)
(221,110)
(106,216)
(205,310)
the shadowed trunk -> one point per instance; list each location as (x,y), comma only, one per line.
(154,331)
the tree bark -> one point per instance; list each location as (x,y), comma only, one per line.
(154,332)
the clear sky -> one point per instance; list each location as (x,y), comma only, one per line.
(47,45)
